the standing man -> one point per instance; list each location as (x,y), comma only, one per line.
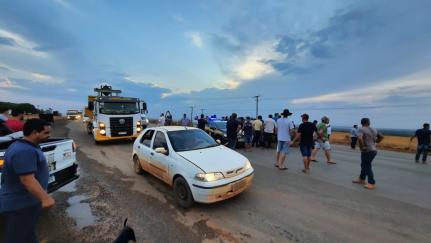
(305,132)
(248,133)
(269,129)
(257,127)
(284,126)
(367,137)
(162,120)
(185,121)
(202,122)
(16,123)
(4,129)
(322,141)
(354,136)
(232,128)
(24,183)
(423,136)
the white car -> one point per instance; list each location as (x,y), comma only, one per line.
(188,159)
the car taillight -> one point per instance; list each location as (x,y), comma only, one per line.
(1,163)
(74,146)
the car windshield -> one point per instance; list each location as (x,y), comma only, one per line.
(220,125)
(119,108)
(186,140)
(72,113)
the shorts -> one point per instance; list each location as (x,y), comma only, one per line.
(322,144)
(306,150)
(247,139)
(283,147)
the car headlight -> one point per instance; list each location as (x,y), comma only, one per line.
(78,116)
(138,123)
(146,120)
(209,176)
(225,135)
(101,125)
(248,165)
(102,132)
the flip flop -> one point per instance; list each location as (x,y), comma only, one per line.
(331,162)
(276,165)
(284,168)
(313,160)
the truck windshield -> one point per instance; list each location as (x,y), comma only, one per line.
(118,108)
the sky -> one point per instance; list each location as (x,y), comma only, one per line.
(340,58)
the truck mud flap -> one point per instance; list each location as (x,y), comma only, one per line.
(63,178)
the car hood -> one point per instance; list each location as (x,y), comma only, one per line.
(216,159)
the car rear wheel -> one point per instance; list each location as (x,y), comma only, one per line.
(137,165)
(182,193)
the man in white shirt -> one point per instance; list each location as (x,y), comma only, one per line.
(284,126)
(162,120)
(269,129)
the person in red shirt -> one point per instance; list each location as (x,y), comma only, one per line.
(16,123)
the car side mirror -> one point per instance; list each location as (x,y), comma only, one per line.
(218,141)
(161,150)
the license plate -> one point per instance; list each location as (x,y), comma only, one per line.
(51,179)
(238,185)
(122,133)
(51,162)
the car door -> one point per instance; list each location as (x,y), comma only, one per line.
(145,150)
(160,162)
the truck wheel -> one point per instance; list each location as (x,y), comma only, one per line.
(137,166)
(182,192)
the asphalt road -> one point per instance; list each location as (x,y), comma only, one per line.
(280,206)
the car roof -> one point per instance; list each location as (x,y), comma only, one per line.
(175,128)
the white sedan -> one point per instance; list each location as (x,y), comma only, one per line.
(189,160)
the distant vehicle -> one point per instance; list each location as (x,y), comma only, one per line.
(73,115)
(113,117)
(85,117)
(144,120)
(217,129)
(198,168)
(60,154)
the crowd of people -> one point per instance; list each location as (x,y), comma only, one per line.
(11,124)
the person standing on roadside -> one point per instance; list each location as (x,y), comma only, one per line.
(232,128)
(423,136)
(322,141)
(269,129)
(16,123)
(284,127)
(24,183)
(368,138)
(257,127)
(202,122)
(4,129)
(185,121)
(354,136)
(248,133)
(162,120)
(305,133)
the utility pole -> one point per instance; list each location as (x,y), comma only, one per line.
(191,114)
(257,104)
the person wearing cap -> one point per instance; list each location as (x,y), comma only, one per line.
(322,141)
(284,127)
(423,135)
(305,134)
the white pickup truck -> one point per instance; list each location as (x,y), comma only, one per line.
(60,154)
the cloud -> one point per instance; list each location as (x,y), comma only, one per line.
(6,83)
(414,87)
(179,18)
(18,43)
(195,38)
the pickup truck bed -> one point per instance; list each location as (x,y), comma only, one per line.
(60,154)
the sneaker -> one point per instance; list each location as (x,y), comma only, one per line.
(370,186)
(359,181)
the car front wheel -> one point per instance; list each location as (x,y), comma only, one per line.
(182,193)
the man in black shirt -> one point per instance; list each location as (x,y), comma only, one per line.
(232,127)
(423,136)
(202,122)
(305,132)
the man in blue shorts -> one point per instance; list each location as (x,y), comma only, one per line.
(284,127)
(305,132)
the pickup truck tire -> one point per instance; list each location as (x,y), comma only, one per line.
(182,192)
(137,166)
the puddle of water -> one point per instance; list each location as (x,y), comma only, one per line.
(80,212)
(71,187)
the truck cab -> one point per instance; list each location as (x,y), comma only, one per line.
(113,117)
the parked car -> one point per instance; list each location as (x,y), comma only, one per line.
(217,129)
(188,159)
(60,154)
